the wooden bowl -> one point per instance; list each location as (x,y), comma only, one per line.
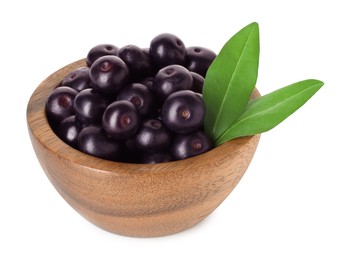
(142,200)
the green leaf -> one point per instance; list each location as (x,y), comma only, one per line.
(230,80)
(266,112)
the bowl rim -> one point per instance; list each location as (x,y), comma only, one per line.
(41,132)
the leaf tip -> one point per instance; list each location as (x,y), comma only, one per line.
(317,82)
(321,82)
(251,27)
(254,24)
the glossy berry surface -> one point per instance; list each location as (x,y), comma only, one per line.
(99,51)
(170,79)
(183,112)
(189,145)
(60,104)
(120,119)
(68,130)
(78,79)
(197,83)
(89,106)
(138,61)
(108,74)
(198,59)
(167,49)
(153,136)
(139,95)
(93,140)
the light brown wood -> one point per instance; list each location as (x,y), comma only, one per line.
(135,199)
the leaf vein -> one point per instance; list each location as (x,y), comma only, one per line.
(231,81)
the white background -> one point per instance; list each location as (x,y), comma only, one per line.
(290,203)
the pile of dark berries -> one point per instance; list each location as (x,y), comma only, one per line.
(135,105)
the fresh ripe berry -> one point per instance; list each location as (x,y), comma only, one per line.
(93,140)
(69,129)
(161,157)
(197,83)
(89,106)
(99,51)
(153,136)
(198,59)
(108,74)
(167,49)
(171,79)
(78,79)
(139,95)
(138,61)
(189,145)
(121,119)
(183,111)
(60,104)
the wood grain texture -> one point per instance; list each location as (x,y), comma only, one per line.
(135,199)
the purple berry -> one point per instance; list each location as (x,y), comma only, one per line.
(121,119)
(153,136)
(183,112)
(93,140)
(99,51)
(68,130)
(60,104)
(198,59)
(89,106)
(171,79)
(167,49)
(139,95)
(109,74)
(198,82)
(138,61)
(78,79)
(189,145)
